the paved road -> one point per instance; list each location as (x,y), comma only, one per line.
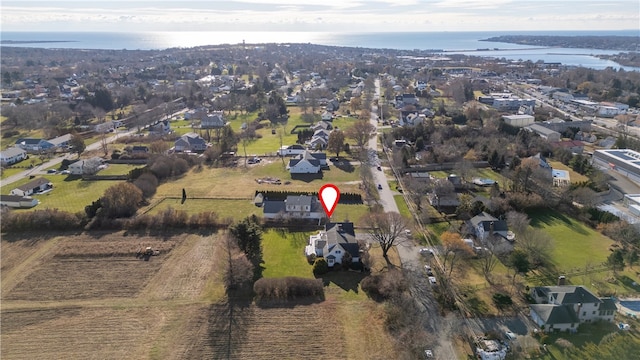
(40,169)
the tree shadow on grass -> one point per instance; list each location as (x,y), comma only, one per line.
(346,280)
(228,324)
(548,217)
(307,177)
(344,165)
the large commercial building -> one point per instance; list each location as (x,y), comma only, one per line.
(623,161)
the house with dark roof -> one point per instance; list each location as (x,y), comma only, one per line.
(190,142)
(293,207)
(485,225)
(565,307)
(336,241)
(307,163)
(18,202)
(32,187)
(214,120)
(32,145)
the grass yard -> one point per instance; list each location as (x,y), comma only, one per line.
(569,235)
(575,177)
(351,212)
(6,172)
(235,209)
(283,253)
(240,182)
(11,141)
(71,196)
(402,207)
(118,169)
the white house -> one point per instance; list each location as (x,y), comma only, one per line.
(214,120)
(190,142)
(287,150)
(12,155)
(564,308)
(544,132)
(333,243)
(33,187)
(326,116)
(18,202)
(296,207)
(304,166)
(518,120)
(86,166)
(485,225)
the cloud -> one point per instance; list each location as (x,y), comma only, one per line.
(319,15)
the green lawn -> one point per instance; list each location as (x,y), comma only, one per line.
(402,206)
(351,212)
(284,254)
(118,169)
(67,195)
(6,172)
(235,209)
(570,235)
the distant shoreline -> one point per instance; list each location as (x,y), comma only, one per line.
(9,42)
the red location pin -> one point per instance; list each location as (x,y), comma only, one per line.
(329,196)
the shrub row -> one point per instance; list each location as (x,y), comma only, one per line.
(384,286)
(166,219)
(48,219)
(345,198)
(288,288)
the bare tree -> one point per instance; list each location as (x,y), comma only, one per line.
(518,222)
(361,131)
(386,229)
(453,248)
(537,244)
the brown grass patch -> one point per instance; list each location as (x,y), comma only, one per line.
(89,333)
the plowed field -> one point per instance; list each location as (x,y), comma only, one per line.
(88,297)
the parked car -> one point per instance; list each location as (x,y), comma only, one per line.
(379,186)
(510,335)
(426,251)
(65,172)
(52,171)
(428,353)
(379,168)
(429,271)
(432,280)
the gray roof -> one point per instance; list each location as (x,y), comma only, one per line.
(482,217)
(542,130)
(192,138)
(607,304)
(60,139)
(311,156)
(568,294)
(34,184)
(29,141)
(294,162)
(555,314)
(273,207)
(299,200)
(14,198)
(12,151)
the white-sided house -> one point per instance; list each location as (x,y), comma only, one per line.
(288,150)
(12,156)
(86,166)
(32,187)
(545,133)
(564,307)
(214,120)
(294,206)
(304,166)
(61,142)
(326,116)
(333,243)
(485,225)
(190,142)
(18,202)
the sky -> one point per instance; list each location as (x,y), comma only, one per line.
(319,15)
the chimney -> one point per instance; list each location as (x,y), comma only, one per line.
(491,226)
(561,280)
